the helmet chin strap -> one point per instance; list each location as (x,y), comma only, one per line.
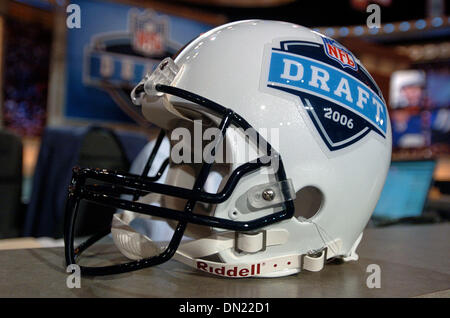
(136,246)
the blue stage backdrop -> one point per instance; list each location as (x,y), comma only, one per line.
(112,51)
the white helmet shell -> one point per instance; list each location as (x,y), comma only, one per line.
(328,121)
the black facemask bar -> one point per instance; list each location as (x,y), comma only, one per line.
(135,185)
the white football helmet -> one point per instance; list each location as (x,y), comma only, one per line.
(304,140)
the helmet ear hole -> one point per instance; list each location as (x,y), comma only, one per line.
(308,202)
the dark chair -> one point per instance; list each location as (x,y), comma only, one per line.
(61,149)
(99,149)
(11,210)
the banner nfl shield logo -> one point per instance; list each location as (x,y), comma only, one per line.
(149,33)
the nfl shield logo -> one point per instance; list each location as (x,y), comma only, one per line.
(149,33)
(339,53)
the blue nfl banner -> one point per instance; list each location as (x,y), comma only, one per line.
(115,47)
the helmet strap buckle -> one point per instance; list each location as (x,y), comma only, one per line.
(250,242)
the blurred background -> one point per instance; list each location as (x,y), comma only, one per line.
(65,83)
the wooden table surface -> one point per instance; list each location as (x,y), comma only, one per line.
(414,262)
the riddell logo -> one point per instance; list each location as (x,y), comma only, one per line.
(254,269)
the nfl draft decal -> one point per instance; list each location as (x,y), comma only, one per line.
(341,99)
